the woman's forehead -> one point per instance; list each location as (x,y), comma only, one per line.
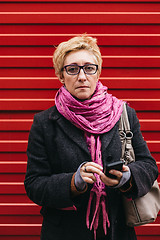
(80,57)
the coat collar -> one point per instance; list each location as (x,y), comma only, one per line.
(73,132)
(76,134)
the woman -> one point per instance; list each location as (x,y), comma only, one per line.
(69,145)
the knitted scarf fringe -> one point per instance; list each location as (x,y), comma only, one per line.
(95,116)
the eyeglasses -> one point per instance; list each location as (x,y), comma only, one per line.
(88,69)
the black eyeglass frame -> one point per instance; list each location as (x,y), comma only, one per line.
(80,67)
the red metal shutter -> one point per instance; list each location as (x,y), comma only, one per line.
(128,33)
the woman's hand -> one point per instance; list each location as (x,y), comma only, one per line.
(113,182)
(88,170)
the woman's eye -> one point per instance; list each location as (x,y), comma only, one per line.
(72,69)
(89,68)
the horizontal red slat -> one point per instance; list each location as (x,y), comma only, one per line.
(149,135)
(150,125)
(131,61)
(148,229)
(14,177)
(103,39)
(20,219)
(25,104)
(80,17)
(22,237)
(13,135)
(20,167)
(147,237)
(13,156)
(25,209)
(41,104)
(78,5)
(121,93)
(28,115)
(15,124)
(105,51)
(144,104)
(13,167)
(51,82)
(131,82)
(107,72)
(23,134)
(82,28)
(25,125)
(19,209)
(154,146)
(21,146)
(31,82)
(108,61)
(14,198)
(37,94)
(20,229)
(29,229)
(157,157)
(13,146)
(12,188)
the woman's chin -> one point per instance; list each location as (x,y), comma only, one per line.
(82,97)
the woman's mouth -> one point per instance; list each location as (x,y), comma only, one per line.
(83,87)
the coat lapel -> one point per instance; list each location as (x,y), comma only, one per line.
(77,135)
(73,132)
(107,137)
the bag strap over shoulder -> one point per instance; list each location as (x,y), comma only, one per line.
(126,137)
(124,122)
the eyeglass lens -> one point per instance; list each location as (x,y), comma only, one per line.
(75,69)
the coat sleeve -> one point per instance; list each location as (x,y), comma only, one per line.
(42,186)
(144,170)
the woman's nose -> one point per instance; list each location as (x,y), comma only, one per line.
(81,75)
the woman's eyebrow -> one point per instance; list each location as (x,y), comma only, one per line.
(79,65)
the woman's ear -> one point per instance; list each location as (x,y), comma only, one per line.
(61,80)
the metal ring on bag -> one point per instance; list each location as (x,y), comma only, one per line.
(129,135)
(122,134)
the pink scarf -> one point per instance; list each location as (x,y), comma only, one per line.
(94,116)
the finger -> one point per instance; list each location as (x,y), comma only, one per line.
(125,168)
(92,169)
(91,176)
(92,164)
(88,175)
(88,180)
(118,174)
(109,181)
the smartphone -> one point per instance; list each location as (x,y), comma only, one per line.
(113,165)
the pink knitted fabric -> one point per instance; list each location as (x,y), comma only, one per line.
(94,116)
(98,193)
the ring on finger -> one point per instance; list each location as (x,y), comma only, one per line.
(85,169)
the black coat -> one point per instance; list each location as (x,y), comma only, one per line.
(56,148)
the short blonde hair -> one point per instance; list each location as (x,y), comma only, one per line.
(76,43)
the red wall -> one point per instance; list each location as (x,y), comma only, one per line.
(128,33)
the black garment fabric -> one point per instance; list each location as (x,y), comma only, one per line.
(56,148)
